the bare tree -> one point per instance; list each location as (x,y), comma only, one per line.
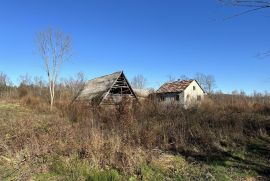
(183,77)
(75,84)
(54,48)
(171,78)
(39,84)
(208,82)
(5,83)
(25,80)
(3,79)
(139,82)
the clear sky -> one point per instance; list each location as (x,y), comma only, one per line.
(155,38)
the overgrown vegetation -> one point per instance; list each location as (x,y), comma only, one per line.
(225,138)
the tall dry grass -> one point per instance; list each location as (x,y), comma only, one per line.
(126,136)
(172,128)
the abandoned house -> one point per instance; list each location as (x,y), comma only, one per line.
(186,92)
(107,90)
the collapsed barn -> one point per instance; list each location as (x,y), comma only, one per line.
(107,90)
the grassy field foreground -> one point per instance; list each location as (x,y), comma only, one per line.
(42,145)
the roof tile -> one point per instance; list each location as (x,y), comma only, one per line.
(177,86)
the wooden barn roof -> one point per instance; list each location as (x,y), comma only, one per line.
(177,86)
(98,87)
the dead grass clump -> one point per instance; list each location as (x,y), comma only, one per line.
(261,108)
(23,91)
(77,111)
(35,103)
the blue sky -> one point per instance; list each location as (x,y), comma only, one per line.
(155,38)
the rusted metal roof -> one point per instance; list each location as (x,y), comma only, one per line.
(177,86)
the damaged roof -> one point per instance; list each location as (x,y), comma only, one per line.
(98,87)
(177,86)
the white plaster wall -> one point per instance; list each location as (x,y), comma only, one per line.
(190,95)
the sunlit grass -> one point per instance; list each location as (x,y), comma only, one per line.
(16,108)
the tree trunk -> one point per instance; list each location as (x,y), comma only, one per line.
(51,86)
(51,107)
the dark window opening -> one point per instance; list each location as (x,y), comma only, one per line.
(194,88)
(177,98)
(120,91)
(199,98)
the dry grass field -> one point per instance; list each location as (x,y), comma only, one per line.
(223,139)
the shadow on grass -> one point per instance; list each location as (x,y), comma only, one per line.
(255,157)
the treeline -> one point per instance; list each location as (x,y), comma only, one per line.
(66,88)
(37,85)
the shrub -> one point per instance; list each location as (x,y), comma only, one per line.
(35,103)
(23,91)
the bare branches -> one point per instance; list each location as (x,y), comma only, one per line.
(247,3)
(3,79)
(75,83)
(171,78)
(208,82)
(54,48)
(25,80)
(251,5)
(139,82)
